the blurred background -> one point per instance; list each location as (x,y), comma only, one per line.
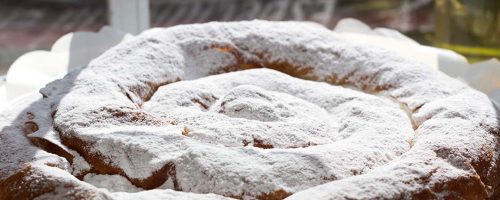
(471,27)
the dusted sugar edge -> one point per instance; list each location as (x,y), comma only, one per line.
(113,183)
(26,157)
(181,51)
(16,150)
(166,194)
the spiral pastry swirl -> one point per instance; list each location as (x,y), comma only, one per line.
(259,110)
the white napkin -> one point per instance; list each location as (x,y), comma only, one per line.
(35,69)
(484,76)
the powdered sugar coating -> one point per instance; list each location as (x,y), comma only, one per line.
(456,137)
(15,149)
(113,183)
(297,126)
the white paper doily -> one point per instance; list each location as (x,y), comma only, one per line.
(34,69)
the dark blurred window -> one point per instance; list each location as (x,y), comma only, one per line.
(412,17)
(409,16)
(27,25)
